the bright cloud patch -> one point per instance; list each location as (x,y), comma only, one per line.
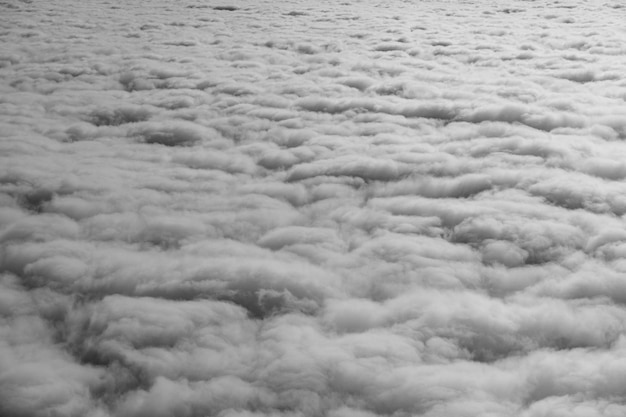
(362,208)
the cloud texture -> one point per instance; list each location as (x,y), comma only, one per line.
(345,209)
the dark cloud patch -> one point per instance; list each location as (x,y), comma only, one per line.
(114,117)
(174,133)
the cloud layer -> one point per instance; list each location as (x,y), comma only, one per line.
(346,209)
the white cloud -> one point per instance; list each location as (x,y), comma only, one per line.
(248,209)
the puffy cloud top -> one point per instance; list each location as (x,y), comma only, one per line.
(343,209)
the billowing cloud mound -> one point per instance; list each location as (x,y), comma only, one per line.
(345,209)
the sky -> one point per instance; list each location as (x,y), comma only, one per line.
(241,208)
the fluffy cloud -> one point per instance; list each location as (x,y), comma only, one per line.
(350,210)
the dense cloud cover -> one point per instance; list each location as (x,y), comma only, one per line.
(289,208)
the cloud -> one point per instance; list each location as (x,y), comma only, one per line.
(312,210)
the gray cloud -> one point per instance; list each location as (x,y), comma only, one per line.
(347,210)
